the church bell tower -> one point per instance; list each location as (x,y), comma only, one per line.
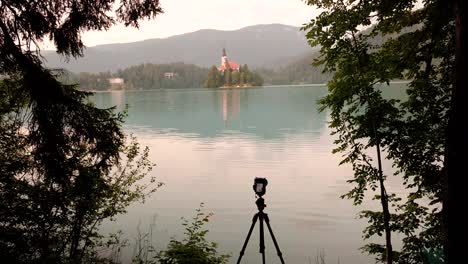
(224,59)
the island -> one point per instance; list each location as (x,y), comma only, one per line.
(231,75)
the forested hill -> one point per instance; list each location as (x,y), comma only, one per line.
(266,46)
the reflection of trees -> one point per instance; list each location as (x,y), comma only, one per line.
(264,112)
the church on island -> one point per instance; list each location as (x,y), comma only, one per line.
(226,64)
(231,75)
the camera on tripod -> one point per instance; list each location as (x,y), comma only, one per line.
(260,186)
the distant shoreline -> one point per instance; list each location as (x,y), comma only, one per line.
(227,88)
(201,88)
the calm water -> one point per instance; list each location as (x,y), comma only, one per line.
(210,144)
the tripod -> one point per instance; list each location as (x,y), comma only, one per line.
(263,217)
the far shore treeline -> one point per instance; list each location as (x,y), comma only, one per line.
(181,75)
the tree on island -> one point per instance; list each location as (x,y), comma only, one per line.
(214,79)
(65,165)
(232,78)
(235,77)
(227,77)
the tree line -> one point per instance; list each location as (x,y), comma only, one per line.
(300,71)
(152,76)
(144,76)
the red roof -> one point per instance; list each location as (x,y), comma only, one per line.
(232,65)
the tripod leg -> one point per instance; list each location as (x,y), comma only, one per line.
(280,255)
(262,237)
(254,220)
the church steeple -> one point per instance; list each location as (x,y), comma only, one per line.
(224,59)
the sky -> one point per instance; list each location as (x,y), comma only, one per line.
(183,16)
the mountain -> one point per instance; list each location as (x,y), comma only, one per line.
(266,46)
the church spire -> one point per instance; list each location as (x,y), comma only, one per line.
(224,60)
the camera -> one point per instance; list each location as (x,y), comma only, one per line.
(259,186)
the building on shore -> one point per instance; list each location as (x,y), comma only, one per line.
(170,75)
(116,83)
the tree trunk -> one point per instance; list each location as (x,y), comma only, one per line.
(385,210)
(457,145)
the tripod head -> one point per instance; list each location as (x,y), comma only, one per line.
(260,204)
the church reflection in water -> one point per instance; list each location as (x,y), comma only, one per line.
(230,104)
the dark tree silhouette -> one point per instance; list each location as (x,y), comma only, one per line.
(424,135)
(65,165)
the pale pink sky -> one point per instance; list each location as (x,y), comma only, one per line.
(182,16)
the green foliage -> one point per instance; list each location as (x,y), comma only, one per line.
(235,75)
(227,77)
(93,82)
(214,79)
(400,42)
(51,210)
(65,165)
(234,78)
(256,79)
(194,248)
(151,76)
(145,76)
(246,72)
(300,71)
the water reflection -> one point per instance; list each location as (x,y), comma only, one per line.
(267,113)
(209,144)
(231,104)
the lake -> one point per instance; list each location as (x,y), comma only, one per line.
(209,145)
